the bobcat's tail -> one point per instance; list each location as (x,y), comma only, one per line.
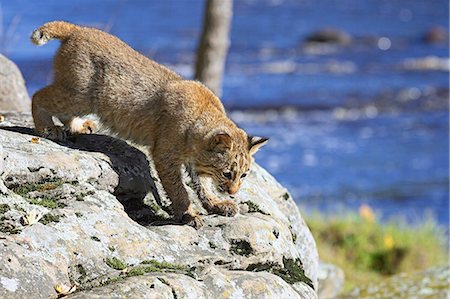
(52,30)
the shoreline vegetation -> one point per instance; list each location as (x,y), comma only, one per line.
(368,250)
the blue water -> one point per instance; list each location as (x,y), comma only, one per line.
(360,128)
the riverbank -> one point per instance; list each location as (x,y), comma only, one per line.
(369,251)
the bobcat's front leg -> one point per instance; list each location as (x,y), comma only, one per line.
(209,201)
(169,171)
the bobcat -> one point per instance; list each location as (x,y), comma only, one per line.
(181,121)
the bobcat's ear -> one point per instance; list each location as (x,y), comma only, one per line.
(255,142)
(220,141)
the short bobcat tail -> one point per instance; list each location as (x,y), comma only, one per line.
(52,30)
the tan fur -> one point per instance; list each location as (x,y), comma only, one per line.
(182,121)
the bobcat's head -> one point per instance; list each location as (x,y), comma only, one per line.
(228,157)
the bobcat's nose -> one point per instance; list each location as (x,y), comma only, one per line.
(232,189)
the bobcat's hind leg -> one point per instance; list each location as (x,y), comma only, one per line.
(79,125)
(54,101)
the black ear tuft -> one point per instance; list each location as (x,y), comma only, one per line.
(255,142)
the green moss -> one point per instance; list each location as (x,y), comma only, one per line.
(286,196)
(166,266)
(111,248)
(4,208)
(115,263)
(46,202)
(163,281)
(79,214)
(24,189)
(79,197)
(241,247)
(155,266)
(138,271)
(149,266)
(254,208)
(19,208)
(95,238)
(8,228)
(82,195)
(82,271)
(291,272)
(49,218)
(294,235)
(113,279)
(174,294)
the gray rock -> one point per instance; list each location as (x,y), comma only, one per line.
(329,36)
(13,93)
(331,280)
(430,284)
(100,199)
(215,284)
(436,35)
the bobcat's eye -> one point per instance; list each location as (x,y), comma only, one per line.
(243,175)
(227,174)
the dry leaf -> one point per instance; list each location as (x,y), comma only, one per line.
(63,289)
(2,118)
(35,140)
(32,217)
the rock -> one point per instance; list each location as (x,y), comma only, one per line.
(430,284)
(436,35)
(331,280)
(105,228)
(329,36)
(216,284)
(13,93)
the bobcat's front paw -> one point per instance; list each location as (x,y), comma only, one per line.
(193,220)
(226,208)
(55,133)
(82,126)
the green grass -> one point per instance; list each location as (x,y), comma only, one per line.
(367,250)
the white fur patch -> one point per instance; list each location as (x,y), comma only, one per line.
(77,125)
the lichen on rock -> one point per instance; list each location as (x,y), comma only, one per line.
(105,228)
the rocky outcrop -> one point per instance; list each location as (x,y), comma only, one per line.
(13,93)
(331,280)
(89,217)
(431,284)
